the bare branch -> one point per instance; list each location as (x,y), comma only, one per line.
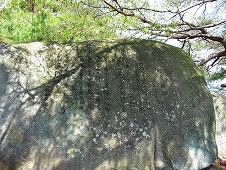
(148,9)
(197,27)
(216,57)
(118,5)
(195,5)
(118,10)
(144,20)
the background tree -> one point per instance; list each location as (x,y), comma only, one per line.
(51,20)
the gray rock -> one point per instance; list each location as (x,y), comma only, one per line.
(220,110)
(120,104)
(4,76)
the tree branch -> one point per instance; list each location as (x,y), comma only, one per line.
(201,28)
(118,10)
(216,57)
(195,5)
(182,30)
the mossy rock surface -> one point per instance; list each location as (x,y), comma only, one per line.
(114,104)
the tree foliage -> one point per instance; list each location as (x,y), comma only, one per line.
(50,20)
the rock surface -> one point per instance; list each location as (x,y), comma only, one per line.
(120,104)
(220,110)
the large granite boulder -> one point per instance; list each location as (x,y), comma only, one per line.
(120,104)
(220,110)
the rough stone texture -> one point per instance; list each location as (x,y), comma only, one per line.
(122,104)
(220,110)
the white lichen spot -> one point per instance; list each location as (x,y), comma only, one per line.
(141,130)
(77,131)
(95,95)
(31,165)
(167,115)
(99,149)
(71,152)
(94,140)
(111,143)
(113,135)
(196,123)
(67,47)
(119,134)
(131,124)
(144,133)
(124,114)
(137,147)
(77,151)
